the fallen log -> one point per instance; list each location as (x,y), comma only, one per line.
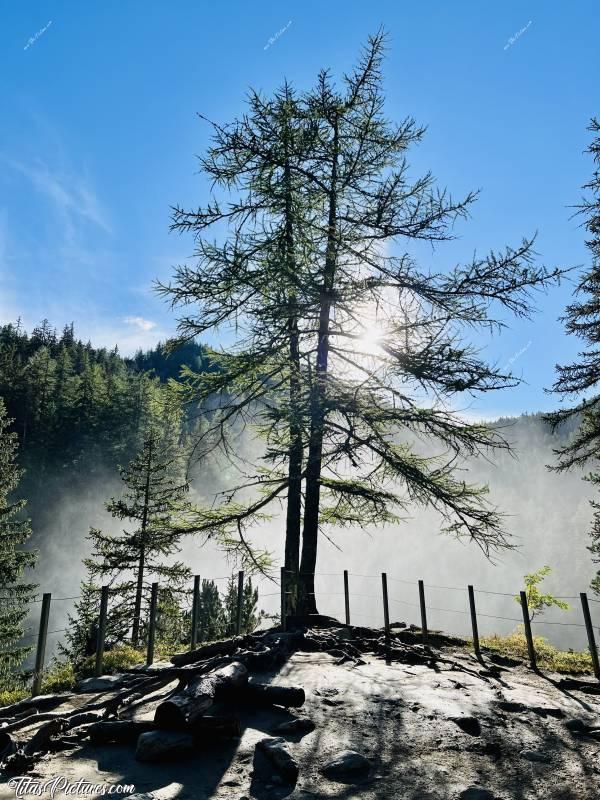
(188,672)
(121,731)
(127,697)
(204,730)
(264,695)
(107,706)
(41,702)
(183,708)
(7,745)
(83,718)
(225,648)
(32,719)
(580,686)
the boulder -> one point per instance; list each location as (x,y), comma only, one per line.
(104,683)
(164,746)
(476,793)
(298,725)
(537,756)
(278,754)
(346,766)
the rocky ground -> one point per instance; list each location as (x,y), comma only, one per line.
(446,729)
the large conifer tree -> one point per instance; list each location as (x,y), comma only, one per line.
(582,378)
(329,168)
(15,595)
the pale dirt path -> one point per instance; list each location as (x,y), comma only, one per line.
(396,715)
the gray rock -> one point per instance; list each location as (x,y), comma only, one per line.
(141,796)
(298,725)
(346,765)
(536,755)
(425,796)
(469,725)
(278,754)
(576,725)
(476,793)
(102,684)
(164,746)
(520,708)
(327,691)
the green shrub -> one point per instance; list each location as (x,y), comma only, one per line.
(59,677)
(548,657)
(116,660)
(10,696)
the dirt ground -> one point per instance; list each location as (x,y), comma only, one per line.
(401,718)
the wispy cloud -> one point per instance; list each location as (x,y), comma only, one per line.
(140,323)
(8,306)
(72,196)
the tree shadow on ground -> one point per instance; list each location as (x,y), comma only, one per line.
(419,753)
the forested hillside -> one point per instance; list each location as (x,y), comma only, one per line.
(79,412)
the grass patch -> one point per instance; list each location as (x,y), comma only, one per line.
(58,678)
(10,696)
(514,645)
(114,661)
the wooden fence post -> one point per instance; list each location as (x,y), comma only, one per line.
(152,624)
(424,630)
(41,644)
(386,617)
(346,597)
(283,598)
(474,621)
(590,633)
(195,612)
(101,631)
(528,634)
(240,601)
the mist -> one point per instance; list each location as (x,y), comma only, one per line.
(548,517)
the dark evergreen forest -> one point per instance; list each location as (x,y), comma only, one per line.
(78,411)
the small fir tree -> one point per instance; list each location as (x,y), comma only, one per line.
(154,502)
(211,616)
(250,615)
(15,595)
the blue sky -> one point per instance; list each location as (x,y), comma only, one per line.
(99,132)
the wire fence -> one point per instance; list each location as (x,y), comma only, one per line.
(369,603)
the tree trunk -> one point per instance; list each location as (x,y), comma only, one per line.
(308,562)
(294,497)
(264,695)
(205,651)
(137,612)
